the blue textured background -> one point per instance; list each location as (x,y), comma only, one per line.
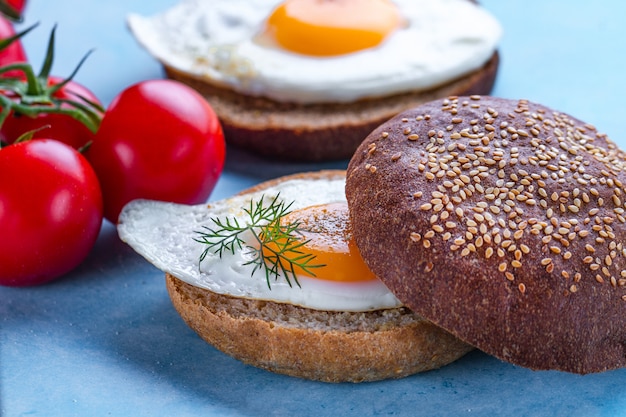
(106,341)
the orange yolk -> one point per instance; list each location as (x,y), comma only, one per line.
(327,229)
(332,27)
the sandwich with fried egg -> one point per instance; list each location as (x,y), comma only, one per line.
(482,222)
(308,80)
(330,320)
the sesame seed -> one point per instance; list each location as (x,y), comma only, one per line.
(616,200)
(555,249)
(415,237)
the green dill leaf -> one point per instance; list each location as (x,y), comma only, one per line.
(278,250)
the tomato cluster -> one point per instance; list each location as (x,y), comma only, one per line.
(158,139)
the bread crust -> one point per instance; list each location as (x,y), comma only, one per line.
(319,345)
(510,220)
(317,132)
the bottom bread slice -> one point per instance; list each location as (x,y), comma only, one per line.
(319,345)
(323,131)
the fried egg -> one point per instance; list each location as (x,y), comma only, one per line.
(166,235)
(311,51)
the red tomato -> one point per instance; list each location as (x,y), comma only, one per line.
(15,51)
(50,211)
(18,5)
(160,140)
(62,127)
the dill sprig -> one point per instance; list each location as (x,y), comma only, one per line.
(278,250)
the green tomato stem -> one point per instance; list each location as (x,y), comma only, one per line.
(33,96)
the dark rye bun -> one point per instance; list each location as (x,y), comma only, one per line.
(503,222)
(320,345)
(317,132)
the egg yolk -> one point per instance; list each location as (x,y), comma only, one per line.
(332,27)
(327,233)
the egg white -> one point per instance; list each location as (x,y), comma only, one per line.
(443,40)
(164,234)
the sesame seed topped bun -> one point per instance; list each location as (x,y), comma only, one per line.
(502,222)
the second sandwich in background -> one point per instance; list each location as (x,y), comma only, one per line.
(308,80)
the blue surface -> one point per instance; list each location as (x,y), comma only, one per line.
(106,341)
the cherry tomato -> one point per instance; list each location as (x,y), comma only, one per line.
(18,5)
(161,140)
(13,53)
(50,211)
(62,127)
